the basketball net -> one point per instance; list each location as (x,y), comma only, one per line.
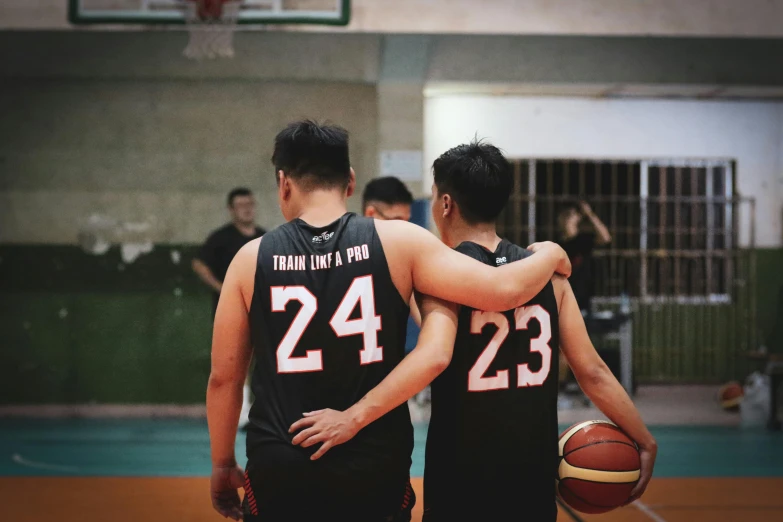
(211,25)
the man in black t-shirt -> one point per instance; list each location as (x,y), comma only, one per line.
(212,261)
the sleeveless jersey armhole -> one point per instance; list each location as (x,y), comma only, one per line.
(258,278)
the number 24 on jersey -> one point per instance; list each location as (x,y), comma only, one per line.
(367,325)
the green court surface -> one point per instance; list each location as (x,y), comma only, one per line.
(180,448)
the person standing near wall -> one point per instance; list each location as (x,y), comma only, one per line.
(579,242)
(212,261)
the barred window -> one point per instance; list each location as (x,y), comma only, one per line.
(671,222)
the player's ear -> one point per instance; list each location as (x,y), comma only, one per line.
(284,186)
(448,205)
(370,211)
(351,184)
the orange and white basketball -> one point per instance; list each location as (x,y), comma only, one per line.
(599,467)
(730,396)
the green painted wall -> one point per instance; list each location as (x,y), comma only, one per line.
(769,263)
(77,328)
(709,343)
(687,343)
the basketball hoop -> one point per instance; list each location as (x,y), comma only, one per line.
(211,25)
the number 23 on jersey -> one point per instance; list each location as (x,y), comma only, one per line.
(477,378)
(367,324)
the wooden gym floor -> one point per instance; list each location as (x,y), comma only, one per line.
(147,470)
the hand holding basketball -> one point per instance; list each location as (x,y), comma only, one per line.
(601,468)
(647,456)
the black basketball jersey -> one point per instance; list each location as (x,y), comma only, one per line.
(327,326)
(492,440)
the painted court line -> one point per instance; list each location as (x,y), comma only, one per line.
(652,515)
(18,459)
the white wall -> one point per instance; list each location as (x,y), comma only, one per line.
(749,132)
(594,17)
(748,18)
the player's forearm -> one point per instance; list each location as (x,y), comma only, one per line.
(517,283)
(413,374)
(601,386)
(415,313)
(224,403)
(205,274)
(600,228)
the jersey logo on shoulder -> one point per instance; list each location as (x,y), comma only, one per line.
(500,261)
(323,238)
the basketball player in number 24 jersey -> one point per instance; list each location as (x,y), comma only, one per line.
(492,449)
(322,302)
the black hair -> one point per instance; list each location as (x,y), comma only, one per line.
(237,192)
(568,207)
(313,154)
(478,177)
(388,189)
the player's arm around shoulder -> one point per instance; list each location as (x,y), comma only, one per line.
(598,382)
(419,368)
(417,259)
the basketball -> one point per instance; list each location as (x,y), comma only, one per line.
(730,396)
(599,467)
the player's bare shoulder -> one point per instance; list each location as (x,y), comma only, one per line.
(400,241)
(248,254)
(243,269)
(396,229)
(402,236)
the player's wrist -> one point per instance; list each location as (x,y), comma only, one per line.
(359,414)
(224,462)
(648,444)
(559,259)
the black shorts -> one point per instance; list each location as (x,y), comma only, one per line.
(499,502)
(512,512)
(302,491)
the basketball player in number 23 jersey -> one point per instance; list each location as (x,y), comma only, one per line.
(322,303)
(492,444)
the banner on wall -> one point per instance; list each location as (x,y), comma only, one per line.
(404,164)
